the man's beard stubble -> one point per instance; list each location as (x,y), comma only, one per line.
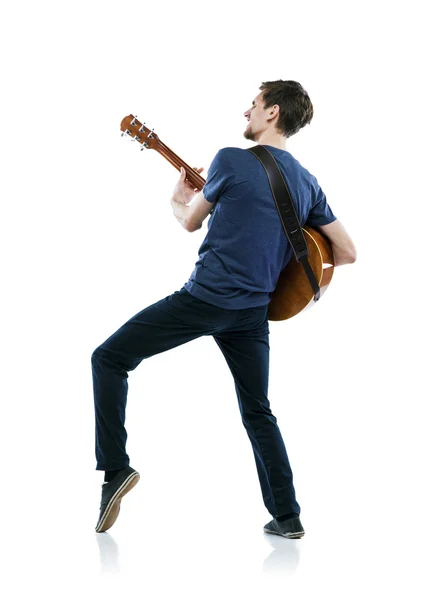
(248,134)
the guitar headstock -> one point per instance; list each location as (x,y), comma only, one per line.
(137,131)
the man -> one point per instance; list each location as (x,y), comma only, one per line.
(226,297)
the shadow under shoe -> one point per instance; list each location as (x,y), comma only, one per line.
(111,494)
(291,528)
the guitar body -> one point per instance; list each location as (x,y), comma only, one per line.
(293,292)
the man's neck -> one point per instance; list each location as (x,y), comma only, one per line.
(278,141)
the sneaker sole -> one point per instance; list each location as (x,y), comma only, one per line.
(286,535)
(113,508)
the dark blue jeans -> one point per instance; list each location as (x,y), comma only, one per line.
(243,338)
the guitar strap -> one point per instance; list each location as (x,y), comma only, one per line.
(287,212)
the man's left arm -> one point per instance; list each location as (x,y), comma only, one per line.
(191,216)
(219,179)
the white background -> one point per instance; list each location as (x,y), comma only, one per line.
(88,239)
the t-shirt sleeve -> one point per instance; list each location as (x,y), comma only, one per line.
(219,177)
(320,213)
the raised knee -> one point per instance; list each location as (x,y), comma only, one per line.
(96,354)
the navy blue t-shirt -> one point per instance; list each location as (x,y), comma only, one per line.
(246,248)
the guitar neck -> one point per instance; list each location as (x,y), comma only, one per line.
(148,139)
(193,177)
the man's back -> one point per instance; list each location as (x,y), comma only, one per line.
(246,248)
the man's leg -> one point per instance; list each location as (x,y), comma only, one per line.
(170,322)
(246,351)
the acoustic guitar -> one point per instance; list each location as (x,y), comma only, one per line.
(293,292)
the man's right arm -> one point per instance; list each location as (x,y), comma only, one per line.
(344,250)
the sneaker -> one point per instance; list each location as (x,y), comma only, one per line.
(111,494)
(291,528)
